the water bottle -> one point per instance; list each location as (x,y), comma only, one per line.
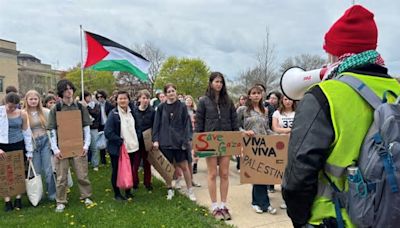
(353,174)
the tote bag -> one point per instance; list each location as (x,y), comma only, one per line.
(101,141)
(34,186)
(124,177)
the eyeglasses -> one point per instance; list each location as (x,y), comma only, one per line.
(100,96)
(171,91)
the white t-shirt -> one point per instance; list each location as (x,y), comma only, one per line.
(286,120)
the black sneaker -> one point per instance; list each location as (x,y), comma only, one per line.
(149,188)
(8,206)
(129,195)
(119,198)
(194,168)
(18,204)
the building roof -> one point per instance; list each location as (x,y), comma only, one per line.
(24,56)
(9,41)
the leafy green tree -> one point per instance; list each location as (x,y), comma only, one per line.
(189,75)
(92,80)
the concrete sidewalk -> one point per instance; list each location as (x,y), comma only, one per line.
(239,200)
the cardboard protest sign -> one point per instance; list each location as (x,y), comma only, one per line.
(147,137)
(217,143)
(12,174)
(161,164)
(264,159)
(70,133)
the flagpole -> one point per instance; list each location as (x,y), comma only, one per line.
(82,87)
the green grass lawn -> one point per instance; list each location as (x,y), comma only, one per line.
(147,209)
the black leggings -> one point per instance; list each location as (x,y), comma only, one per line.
(114,173)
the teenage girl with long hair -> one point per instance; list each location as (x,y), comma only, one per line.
(37,119)
(216,112)
(253,120)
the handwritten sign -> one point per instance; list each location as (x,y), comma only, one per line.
(147,138)
(264,159)
(161,164)
(12,174)
(70,133)
(217,143)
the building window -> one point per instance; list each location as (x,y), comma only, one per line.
(1,84)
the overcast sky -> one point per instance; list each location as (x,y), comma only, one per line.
(226,34)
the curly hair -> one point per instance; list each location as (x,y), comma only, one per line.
(62,85)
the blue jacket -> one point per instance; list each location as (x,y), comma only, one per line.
(112,130)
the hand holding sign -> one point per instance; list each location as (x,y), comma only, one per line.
(59,156)
(84,152)
(156,145)
(249,133)
(2,154)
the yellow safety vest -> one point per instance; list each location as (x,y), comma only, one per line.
(351,119)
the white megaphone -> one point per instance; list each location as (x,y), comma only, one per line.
(295,81)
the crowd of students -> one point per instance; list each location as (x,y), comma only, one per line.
(173,119)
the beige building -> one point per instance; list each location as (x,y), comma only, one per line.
(32,74)
(24,71)
(8,66)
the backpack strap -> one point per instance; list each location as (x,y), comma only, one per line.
(362,89)
(389,167)
(336,201)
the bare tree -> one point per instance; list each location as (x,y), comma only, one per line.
(265,70)
(266,61)
(155,56)
(305,61)
(126,81)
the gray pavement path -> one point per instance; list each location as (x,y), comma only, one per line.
(239,201)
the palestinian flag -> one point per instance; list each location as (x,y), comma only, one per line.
(106,55)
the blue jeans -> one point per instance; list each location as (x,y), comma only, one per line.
(260,196)
(95,153)
(42,162)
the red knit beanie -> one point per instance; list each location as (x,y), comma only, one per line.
(354,32)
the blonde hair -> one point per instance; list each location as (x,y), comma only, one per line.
(39,107)
(194,106)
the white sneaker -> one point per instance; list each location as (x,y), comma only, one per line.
(178,183)
(170,194)
(96,169)
(88,202)
(271,210)
(60,208)
(195,184)
(191,195)
(257,209)
(283,206)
